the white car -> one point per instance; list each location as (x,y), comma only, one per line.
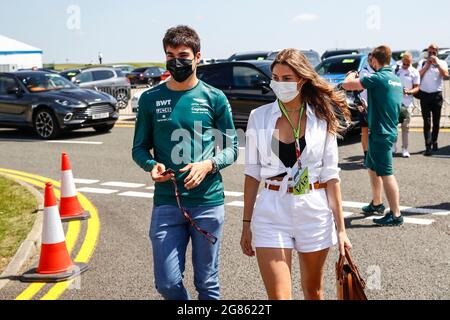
(137,96)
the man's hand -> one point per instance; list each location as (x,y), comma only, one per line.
(433,60)
(157,171)
(198,172)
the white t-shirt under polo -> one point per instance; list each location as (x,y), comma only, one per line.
(432,81)
(409,78)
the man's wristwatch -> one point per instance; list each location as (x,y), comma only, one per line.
(214,165)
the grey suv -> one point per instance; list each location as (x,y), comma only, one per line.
(109,80)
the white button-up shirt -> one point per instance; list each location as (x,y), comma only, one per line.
(432,80)
(320,155)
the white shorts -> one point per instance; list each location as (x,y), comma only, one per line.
(304,223)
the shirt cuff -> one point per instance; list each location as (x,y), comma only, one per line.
(149,165)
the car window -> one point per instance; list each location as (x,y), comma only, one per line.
(102,75)
(7,83)
(140,69)
(119,73)
(218,76)
(245,77)
(338,66)
(84,77)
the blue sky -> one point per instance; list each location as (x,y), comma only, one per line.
(132,30)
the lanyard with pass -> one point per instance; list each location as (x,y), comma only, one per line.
(297,131)
(300,175)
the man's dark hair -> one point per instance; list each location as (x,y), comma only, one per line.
(383,55)
(182,35)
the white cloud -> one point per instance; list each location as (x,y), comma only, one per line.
(306,17)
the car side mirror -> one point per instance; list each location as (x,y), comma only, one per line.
(263,85)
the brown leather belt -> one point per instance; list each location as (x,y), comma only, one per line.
(291,190)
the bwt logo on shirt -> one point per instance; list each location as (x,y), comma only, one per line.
(163,103)
(395,83)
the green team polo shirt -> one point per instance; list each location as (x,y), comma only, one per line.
(179,127)
(385,95)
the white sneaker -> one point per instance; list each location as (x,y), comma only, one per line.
(405,153)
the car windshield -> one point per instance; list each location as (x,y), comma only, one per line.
(140,69)
(39,82)
(265,68)
(312,57)
(338,66)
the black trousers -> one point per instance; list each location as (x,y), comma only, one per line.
(431,104)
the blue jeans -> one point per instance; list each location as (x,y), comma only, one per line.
(170,234)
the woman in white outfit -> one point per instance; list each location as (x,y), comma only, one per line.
(292,148)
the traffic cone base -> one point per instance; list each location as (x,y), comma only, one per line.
(70,208)
(73,272)
(83,216)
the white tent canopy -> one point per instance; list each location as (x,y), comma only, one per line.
(18,55)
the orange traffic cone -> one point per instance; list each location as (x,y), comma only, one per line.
(55,263)
(69,206)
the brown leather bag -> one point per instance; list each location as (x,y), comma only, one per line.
(349,284)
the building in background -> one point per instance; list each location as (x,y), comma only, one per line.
(16,55)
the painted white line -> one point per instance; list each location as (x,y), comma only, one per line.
(85,181)
(239,204)
(425,222)
(95,190)
(74,142)
(348,214)
(137,194)
(123,184)
(233,194)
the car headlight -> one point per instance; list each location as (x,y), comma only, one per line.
(69,103)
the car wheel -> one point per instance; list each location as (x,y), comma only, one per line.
(122,99)
(104,128)
(46,125)
(151,82)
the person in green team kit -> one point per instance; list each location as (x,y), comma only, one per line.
(385,94)
(182,120)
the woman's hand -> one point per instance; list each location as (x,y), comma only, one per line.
(246,240)
(343,242)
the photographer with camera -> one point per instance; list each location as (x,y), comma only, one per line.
(432,72)
(385,94)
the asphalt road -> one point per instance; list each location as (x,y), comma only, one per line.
(408,262)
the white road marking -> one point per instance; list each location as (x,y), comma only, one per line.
(74,142)
(123,184)
(348,214)
(96,190)
(137,194)
(85,181)
(239,204)
(426,222)
(233,194)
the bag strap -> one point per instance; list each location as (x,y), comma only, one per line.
(354,268)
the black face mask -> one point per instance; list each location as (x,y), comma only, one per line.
(180,69)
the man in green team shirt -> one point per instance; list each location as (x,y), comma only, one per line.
(385,95)
(181,121)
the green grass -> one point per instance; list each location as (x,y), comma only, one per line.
(64,66)
(17,215)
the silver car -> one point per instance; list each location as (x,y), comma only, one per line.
(109,80)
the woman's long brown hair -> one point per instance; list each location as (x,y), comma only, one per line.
(325,100)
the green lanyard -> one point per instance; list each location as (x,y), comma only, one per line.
(299,127)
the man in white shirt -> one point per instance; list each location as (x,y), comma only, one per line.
(410,79)
(432,73)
